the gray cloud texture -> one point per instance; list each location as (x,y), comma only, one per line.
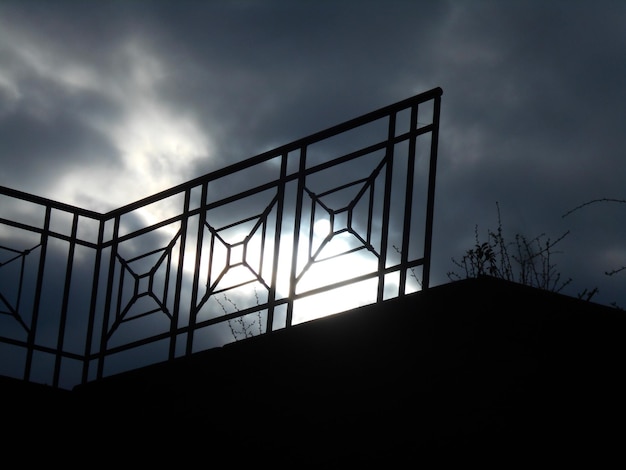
(102,103)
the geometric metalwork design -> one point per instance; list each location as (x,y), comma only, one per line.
(241,261)
(340,219)
(147,286)
(334,220)
(15,262)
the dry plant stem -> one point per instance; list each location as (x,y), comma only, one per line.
(245,327)
(526,261)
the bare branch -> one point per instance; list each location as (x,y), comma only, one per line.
(593,202)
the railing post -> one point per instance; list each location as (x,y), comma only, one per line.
(179,275)
(296,235)
(382,260)
(109,294)
(408,201)
(196,273)
(271,298)
(430,204)
(93,303)
(36,305)
(65,302)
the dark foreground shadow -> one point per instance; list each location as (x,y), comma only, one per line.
(480,367)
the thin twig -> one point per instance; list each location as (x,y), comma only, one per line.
(605,199)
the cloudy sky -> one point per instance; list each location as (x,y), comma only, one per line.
(105,102)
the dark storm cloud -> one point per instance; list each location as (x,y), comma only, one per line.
(264,74)
(533,115)
(532,107)
(41,145)
(252,75)
(47,114)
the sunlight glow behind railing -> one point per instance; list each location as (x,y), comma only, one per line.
(338,219)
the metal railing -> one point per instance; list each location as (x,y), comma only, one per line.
(332,221)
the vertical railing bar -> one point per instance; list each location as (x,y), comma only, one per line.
(296,235)
(370,211)
(408,203)
(40,273)
(247,239)
(107,307)
(65,302)
(196,271)
(166,284)
(119,313)
(382,261)
(311,227)
(430,204)
(261,259)
(214,236)
(93,302)
(280,207)
(179,280)
(20,284)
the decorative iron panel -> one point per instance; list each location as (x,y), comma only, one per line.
(336,220)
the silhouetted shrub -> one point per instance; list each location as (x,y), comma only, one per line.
(526,261)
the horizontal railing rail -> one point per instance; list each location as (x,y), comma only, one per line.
(335,220)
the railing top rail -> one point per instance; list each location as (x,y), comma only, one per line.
(50,203)
(260,158)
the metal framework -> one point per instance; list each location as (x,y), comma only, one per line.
(341,218)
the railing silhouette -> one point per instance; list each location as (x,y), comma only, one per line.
(324,224)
